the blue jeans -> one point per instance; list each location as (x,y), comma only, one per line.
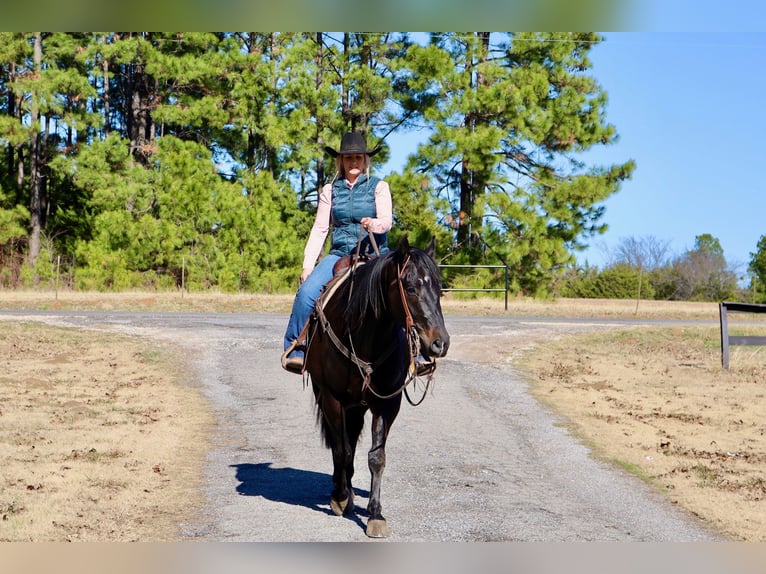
(305,299)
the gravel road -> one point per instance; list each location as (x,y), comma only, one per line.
(478,460)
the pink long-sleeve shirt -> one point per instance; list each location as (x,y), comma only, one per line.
(380,224)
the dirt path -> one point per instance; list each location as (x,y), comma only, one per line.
(479,460)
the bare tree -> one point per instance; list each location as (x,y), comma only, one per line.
(646,253)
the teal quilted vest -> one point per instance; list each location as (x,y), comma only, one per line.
(349,206)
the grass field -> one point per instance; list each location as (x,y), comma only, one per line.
(211,302)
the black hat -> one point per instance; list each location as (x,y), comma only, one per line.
(352,142)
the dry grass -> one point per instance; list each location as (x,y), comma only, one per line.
(99,440)
(657,402)
(207,302)
(212,302)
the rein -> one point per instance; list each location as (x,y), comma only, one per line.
(414,347)
(366,368)
(412,339)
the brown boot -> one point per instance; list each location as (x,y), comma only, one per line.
(295,363)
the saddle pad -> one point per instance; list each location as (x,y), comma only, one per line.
(333,284)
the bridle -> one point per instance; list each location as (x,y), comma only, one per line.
(366,368)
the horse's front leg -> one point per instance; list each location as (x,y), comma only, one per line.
(376,458)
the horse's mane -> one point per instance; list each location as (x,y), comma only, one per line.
(368,286)
(367,295)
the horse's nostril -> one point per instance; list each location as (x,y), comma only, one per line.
(438,347)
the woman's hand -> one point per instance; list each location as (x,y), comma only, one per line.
(305,274)
(366,223)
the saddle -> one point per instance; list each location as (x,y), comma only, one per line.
(341,272)
(345,262)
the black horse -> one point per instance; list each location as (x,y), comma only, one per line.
(368,331)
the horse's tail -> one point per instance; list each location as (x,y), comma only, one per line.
(354,423)
(324,425)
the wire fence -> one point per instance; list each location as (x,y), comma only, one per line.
(505,289)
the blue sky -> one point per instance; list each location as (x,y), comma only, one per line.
(689,109)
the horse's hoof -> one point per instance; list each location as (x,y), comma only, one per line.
(342,507)
(377,529)
(339,508)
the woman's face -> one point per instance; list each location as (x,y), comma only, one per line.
(353,165)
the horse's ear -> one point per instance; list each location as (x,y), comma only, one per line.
(431,248)
(404,245)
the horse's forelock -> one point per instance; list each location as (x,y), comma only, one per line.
(421,264)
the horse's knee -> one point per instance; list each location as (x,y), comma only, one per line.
(376,459)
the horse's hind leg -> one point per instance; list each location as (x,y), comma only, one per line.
(337,438)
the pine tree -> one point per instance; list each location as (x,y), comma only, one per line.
(509,114)
(95,126)
(757,269)
(14,215)
(46,91)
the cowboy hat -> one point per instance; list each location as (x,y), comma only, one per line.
(352,142)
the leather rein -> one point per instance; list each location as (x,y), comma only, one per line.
(366,368)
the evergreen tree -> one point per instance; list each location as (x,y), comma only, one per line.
(46,91)
(623,281)
(702,273)
(757,269)
(511,114)
(161,157)
(14,215)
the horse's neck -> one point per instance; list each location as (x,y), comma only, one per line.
(369,332)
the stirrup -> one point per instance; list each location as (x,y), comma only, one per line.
(294,364)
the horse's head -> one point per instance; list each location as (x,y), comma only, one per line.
(420,290)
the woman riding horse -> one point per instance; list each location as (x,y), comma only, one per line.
(354,202)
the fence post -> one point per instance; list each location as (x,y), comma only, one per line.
(724,335)
(506,287)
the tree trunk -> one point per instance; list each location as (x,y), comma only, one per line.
(250,151)
(466,203)
(139,117)
(36,199)
(272,159)
(319,140)
(11,109)
(471,184)
(106,93)
(345,95)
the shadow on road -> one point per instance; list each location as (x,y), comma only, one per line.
(291,486)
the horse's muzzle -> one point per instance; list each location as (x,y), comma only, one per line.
(438,346)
